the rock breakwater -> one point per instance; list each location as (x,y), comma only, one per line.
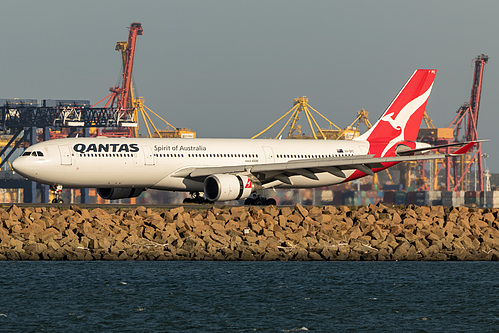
(374,232)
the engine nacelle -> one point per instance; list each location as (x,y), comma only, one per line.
(224,187)
(119,192)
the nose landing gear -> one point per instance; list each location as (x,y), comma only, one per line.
(58,194)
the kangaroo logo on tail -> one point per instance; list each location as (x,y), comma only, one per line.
(402,118)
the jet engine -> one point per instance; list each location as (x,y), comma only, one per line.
(119,192)
(224,187)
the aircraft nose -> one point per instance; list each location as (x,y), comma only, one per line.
(19,166)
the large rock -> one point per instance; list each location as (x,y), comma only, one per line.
(375,232)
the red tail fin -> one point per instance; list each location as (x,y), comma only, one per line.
(402,118)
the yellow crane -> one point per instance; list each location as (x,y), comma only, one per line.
(301,106)
(332,132)
(428,120)
(352,131)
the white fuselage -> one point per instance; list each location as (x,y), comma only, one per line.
(158,163)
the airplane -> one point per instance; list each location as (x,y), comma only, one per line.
(234,169)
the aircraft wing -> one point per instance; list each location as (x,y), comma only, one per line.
(310,167)
(307,167)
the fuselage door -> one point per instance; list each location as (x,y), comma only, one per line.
(148,155)
(269,154)
(65,155)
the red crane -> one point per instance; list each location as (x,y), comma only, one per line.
(121,97)
(467,120)
(123,94)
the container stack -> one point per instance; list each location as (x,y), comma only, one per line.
(453,198)
(490,199)
(472,198)
(433,198)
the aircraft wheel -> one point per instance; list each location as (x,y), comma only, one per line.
(270,202)
(249,201)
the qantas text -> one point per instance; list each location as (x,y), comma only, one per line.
(106,148)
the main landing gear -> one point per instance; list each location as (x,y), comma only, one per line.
(58,194)
(197,199)
(257,200)
(254,200)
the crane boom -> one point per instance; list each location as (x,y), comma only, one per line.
(125,101)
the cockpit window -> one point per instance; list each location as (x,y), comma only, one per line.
(32,153)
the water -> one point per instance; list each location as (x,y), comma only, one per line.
(249,296)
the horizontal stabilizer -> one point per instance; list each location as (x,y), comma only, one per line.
(467,144)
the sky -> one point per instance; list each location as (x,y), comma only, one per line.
(230,68)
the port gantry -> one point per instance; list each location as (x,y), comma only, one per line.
(21,119)
(137,104)
(121,98)
(466,121)
(466,172)
(332,132)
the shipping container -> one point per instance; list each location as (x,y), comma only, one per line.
(326,197)
(458,200)
(349,198)
(366,201)
(65,102)
(411,198)
(472,198)
(366,187)
(400,197)
(18,102)
(433,198)
(490,198)
(396,187)
(421,198)
(389,197)
(453,198)
(337,198)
